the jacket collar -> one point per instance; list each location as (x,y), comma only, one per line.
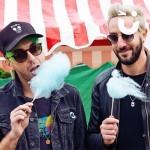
(18,89)
(57,94)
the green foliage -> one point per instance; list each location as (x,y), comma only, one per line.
(4,75)
(4,81)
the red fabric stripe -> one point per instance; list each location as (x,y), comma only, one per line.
(104,29)
(23,10)
(1,55)
(2,6)
(100,42)
(52,30)
(96,12)
(79,29)
(116,1)
(97,15)
(87,58)
(106,56)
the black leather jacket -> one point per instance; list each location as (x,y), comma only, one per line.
(69,123)
(101,109)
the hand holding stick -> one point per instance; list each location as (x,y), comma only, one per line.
(33,100)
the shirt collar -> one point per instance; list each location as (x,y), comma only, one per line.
(18,89)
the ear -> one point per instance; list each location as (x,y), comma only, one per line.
(9,65)
(10,68)
(144,34)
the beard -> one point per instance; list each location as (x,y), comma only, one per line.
(135,54)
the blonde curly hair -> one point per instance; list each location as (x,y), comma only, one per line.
(127,9)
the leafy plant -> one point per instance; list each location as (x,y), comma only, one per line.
(4,74)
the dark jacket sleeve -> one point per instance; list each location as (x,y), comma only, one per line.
(100,110)
(80,125)
(93,137)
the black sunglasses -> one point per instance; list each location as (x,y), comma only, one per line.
(113,38)
(21,54)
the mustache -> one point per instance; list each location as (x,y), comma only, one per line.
(124,48)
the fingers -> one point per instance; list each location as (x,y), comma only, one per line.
(110,120)
(21,112)
(20,118)
(109,129)
(25,107)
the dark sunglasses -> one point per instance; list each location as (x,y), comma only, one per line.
(21,54)
(113,38)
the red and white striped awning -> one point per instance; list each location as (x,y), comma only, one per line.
(75,23)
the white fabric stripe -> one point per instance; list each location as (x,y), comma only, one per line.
(93,30)
(37,20)
(147,4)
(65,27)
(10,12)
(128,2)
(105,5)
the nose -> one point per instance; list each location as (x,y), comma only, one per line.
(121,43)
(30,57)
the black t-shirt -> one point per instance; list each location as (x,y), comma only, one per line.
(43,107)
(131,130)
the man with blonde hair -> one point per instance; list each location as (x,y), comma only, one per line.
(128,127)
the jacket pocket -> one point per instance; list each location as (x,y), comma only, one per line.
(67,115)
(66,121)
(66,127)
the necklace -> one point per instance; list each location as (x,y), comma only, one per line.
(133,99)
(46,134)
(47,138)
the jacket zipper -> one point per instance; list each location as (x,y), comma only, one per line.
(147,124)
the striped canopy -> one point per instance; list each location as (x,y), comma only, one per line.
(75,23)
